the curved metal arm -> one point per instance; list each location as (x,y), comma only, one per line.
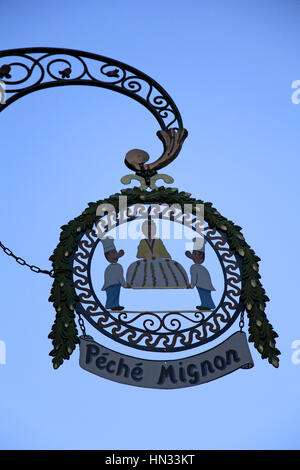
(172,141)
(46,67)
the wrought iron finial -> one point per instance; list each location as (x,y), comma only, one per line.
(152,181)
(172,141)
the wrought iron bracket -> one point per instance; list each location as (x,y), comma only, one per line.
(47,67)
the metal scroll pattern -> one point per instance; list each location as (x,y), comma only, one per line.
(26,70)
(169,331)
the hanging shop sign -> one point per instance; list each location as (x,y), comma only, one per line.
(145,245)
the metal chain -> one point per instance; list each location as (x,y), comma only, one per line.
(22,262)
(242,321)
(81,323)
(36,269)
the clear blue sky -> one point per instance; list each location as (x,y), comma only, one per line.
(229,67)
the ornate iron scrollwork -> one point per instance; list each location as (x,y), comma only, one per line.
(46,67)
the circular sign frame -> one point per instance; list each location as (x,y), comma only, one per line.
(253,298)
(168,332)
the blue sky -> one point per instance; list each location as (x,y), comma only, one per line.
(229,67)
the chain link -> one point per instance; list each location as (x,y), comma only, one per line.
(81,323)
(242,321)
(22,262)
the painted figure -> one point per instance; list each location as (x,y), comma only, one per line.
(155,268)
(113,275)
(200,277)
(151,247)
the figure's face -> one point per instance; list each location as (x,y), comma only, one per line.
(113,255)
(196,255)
(149,229)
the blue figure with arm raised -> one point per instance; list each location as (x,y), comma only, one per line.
(200,277)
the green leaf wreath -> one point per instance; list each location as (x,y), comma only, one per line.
(64,333)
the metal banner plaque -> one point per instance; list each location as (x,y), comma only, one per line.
(221,360)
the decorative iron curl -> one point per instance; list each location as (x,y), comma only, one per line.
(42,71)
(154,323)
